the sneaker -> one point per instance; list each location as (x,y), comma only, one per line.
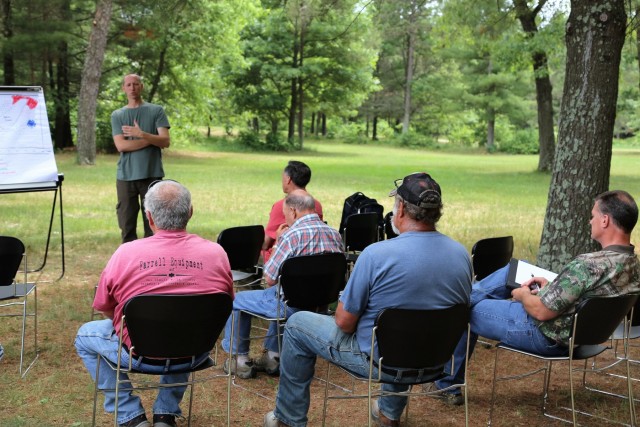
(267,364)
(244,371)
(139,421)
(448,398)
(270,420)
(164,420)
(380,419)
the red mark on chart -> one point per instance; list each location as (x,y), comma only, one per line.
(31,102)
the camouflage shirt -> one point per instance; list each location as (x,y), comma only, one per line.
(614,270)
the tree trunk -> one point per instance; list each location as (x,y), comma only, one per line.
(638,38)
(406,119)
(312,129)
(7,54)
(374,133)
(62,130)
(301,92)
(491,129)
(90,83)
(293,108)
(546,137)
(155,82)
(594,37)
(324,124)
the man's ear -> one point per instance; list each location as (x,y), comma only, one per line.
(149,218)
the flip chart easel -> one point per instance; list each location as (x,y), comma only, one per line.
(27,162)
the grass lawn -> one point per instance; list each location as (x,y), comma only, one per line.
(484,196)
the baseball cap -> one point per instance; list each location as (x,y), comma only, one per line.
(419,189)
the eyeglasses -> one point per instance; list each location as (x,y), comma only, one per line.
(161,180)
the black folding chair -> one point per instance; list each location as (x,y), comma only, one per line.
(242,245)
(360,231)
(594,321)
(411,339)
(491,254)
(14,293)
(168,327)
(306,282)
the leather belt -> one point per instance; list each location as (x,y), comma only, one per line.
(158,362)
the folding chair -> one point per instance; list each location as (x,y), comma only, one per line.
(306,282)
(594,321)
(360,231)
(491,254)
(411,339)
(626,330)
(487,256)
(242,245)
(168,327)
(13,293)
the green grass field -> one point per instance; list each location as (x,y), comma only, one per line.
(484,196)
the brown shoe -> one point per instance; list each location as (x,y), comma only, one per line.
(379,418)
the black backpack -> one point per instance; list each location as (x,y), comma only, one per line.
(359,203)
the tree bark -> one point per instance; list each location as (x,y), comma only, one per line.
(90,83)
(594,37)
(374,133)
(7,54)
(408,80)
(62,130)
(546,137)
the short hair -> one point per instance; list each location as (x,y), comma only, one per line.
(169,203)
(300,202)
(621,207)
(299,173)
(429,216)
(138,77)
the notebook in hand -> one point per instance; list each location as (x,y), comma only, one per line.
(520,271)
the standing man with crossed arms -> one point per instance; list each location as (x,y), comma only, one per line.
(140,131)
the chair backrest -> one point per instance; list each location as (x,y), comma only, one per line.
(11,254)
(242,245)
(415,339)
(169,326)
(491,254)
(360,231)
(597,318)
(311,281)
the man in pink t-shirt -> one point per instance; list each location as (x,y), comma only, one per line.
(171,261)
(296,176)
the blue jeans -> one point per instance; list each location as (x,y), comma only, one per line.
(308,335)
(495,316)
(99,338)
(263,302)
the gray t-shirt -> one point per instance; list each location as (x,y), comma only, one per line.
(147,162)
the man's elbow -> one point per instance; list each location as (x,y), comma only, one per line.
(344,326)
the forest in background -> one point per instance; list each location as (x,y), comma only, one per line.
(416,72)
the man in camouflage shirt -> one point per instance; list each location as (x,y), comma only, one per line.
(540,321)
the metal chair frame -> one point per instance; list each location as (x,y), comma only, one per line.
(13,255)
(593,322)
(428,349)
(220,306)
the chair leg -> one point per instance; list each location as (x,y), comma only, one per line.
(25,315)
(326,395)
(493,388)
(95,393)
(192,392)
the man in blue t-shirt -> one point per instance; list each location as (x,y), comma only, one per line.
(140,131)
(419,269)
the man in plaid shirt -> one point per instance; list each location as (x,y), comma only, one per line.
(303,234)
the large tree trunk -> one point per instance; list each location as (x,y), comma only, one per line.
(546,137)
(301,92)
(595,34)
(7,53)
(90,83)
(293,108)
